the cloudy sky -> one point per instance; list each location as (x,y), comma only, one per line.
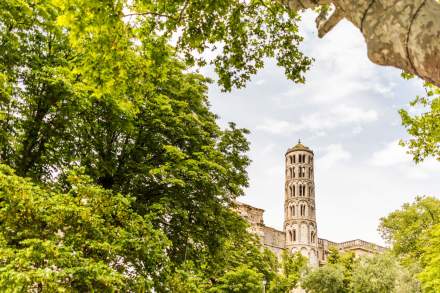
(347,113)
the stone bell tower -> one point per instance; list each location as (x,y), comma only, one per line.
(299,203)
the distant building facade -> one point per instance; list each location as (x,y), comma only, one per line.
(300,232)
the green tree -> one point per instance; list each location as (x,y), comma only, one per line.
(326,279)
(424,128)
(414,233)
(382,273)
(375,274)
(240,280)
(80,93)
(82,240)
(407,229)
(82,86)
(430,275)
(338,274)
(292,267)
(242,33)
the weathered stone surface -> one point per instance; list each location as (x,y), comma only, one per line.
(404,34)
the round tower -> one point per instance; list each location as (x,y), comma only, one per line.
(299,203)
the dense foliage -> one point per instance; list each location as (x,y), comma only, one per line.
(424,127)
(85,238)
(82,94)
(414,232)
(367,274)
(129,180)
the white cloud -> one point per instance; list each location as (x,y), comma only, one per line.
(395,156)
(341,115)
(342,71)
(357,129)
(260,82)
(334,153)
(390,155)
(337,116)
(429,167)
(274,126)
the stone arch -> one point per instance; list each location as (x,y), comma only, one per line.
(313,258)
(312,237)
(304,251)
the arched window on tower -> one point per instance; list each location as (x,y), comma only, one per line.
(292,211)
(293,190)
(312,237)
(294,235)
(303,170)
(290,236)
(291,172)
(302,210)
(300,190)
(294,158)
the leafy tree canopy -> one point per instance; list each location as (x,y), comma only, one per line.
(84,239)
(424,127)
(344,273)
(241,33)
(414,231)
(83,87)
(407,229)
(292,267)
(96,87)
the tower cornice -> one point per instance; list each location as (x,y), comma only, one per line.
(299,147)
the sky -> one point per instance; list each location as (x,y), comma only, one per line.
(346,112)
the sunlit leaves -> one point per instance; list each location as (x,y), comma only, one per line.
(86,239)
(241,34)
(424,125)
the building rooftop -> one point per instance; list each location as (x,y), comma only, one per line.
(299,147)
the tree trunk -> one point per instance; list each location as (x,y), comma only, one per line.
(400,33)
